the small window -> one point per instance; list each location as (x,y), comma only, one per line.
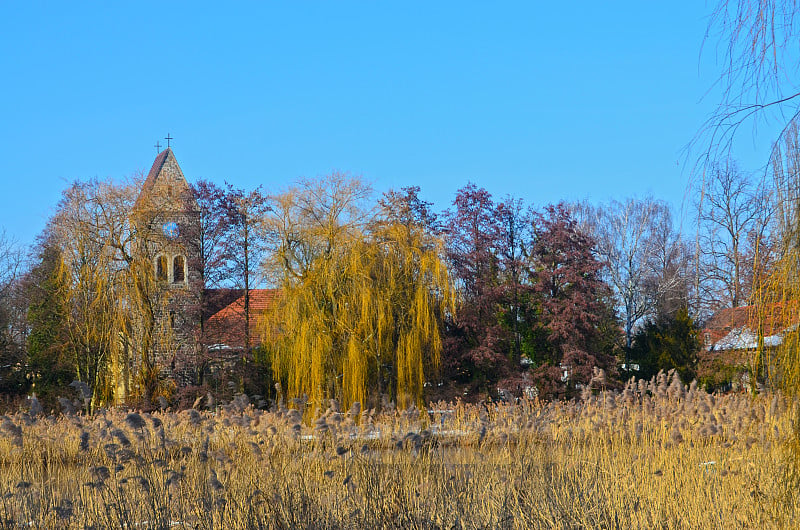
(161,268)
(178,275)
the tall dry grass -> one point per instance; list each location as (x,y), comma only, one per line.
(658,455)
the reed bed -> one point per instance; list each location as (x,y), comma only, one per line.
(656,455)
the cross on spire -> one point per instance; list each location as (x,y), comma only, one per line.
(168,138)
(158,147)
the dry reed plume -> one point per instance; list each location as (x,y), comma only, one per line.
(657,455)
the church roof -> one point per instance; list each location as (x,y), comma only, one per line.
(150,181)
(226,326)
(158,163)
(155,171)
(216,299)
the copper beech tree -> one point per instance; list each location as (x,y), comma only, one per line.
(486,246)
(476,353)
(534,311)
(574,315)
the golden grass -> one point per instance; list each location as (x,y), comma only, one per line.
(654,456)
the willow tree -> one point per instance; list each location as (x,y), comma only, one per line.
(362,295)
(776,279)
(93,279)
(110,295)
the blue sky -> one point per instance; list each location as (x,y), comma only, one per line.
(583,100)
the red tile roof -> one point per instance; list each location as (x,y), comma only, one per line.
(726,320)
(727,323)
(226,326)
(214,300)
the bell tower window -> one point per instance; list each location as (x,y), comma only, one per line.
(161,268)
(178,269)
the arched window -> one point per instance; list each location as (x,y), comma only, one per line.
(161,268)
(178,274)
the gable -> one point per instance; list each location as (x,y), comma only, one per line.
(165,189)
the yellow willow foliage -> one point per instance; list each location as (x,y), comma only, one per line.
(364,319)
(777,292)
(776,303)
(776,289)
(92,297)
(111,293)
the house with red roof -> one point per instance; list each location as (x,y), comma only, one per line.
(731,338)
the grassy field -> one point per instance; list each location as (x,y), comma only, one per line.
(657,455)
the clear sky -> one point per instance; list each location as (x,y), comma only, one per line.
(541,100)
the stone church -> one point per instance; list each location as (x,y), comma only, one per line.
(194,327)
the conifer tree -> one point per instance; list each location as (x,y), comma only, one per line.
(48,342)
(665,343)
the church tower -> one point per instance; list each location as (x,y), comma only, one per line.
(166,219)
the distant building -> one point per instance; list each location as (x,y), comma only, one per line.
(166,221)
(736,328)
(731,338)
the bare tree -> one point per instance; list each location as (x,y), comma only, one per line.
(246,244)
(636,242)
(307,221)
(730,211)
(12,334)
(216,215)
(10,261)
(785,165)
(755,41)
(671,269)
